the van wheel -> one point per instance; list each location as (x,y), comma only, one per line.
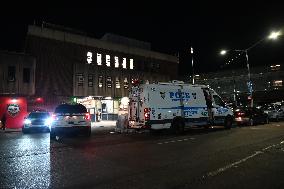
(178,126)
(277,119)
(228,122)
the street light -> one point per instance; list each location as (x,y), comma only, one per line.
(273,36)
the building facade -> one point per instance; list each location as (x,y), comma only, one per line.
(17,73)
(95,72)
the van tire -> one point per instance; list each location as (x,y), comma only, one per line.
(178,126)
(228,122)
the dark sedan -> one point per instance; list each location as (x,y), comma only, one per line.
(250,116)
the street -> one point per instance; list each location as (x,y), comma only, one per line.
(242,157)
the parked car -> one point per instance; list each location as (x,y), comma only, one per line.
(70,118)
(274,112)
(250,116)
(38,120)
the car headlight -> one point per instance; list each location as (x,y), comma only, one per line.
(48,121)
(27,121)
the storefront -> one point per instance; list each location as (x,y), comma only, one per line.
(104,108)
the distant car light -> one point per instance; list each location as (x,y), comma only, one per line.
(48,121)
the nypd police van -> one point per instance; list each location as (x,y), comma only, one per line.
(176,105)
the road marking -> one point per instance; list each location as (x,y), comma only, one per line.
(235,164)
(173,141)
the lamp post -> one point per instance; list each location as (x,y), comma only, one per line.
(191,52)
(272,36)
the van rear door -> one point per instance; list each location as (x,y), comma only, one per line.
(133,111)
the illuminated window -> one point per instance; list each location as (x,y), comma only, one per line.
(117,83)
(99,59)
(277,83)
(89,57)
(109,82)
(131,64)
(125,83)
(116,62)
(108,60)
(100,81)
(90,80)
(124,63)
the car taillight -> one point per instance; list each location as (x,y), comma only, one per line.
(240,114)
(147,114)
(87,116)
(53,116)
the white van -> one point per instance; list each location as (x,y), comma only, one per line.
(176,105)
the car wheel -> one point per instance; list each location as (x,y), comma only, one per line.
(25,131)
(267,120)
(251,122)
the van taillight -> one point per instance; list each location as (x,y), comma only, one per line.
(87,116)
(147,114)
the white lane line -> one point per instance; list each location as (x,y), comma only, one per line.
(222,169)
(179,140)
(234,164)
(191,138)
(160,143)
(173,141)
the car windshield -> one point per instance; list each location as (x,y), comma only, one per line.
(39,115)
(68,108)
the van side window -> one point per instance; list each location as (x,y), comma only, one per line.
(218,101)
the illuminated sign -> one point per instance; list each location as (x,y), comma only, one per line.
(116,62)
(90,60)
(89,57)
(124,63)
(99,59)
(108,60)
(131,64)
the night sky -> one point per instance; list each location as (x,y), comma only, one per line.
(170,27)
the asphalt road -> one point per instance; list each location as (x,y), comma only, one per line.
(246,157)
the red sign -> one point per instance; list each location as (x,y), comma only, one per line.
(15,110)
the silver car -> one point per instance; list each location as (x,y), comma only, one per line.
(274,112)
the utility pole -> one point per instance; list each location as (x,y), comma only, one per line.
(191,52)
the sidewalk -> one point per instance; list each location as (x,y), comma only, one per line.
(104,124)
(8,130)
